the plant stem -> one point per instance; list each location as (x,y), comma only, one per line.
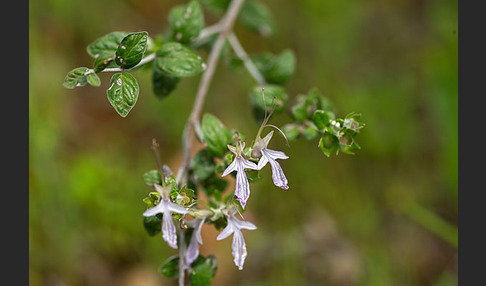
(250,66)
(182,256)
(193,121)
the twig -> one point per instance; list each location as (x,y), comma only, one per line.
(182,256)
(188,135)
(250,66)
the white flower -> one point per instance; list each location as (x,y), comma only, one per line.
(193,249)
(239,247)
(164,207)
(239,164)
(271,156)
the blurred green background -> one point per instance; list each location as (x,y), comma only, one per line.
(385,216)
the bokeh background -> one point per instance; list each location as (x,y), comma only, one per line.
(385,216)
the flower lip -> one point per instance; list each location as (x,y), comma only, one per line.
(234,227)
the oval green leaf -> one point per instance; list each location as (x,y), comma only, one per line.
(163,84)
(174,59)
(215,134)
(123,93)
(170,267)
(152,224)
(104,61)
(186,22)
(321,119)
(106,44)
(256,16)
(131,49)
(93,79)
(282,69)
(75,78)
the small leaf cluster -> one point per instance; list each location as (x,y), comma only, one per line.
(314,117)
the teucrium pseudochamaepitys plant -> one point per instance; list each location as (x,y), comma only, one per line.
(175,55)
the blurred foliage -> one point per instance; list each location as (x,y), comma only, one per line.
(384,216)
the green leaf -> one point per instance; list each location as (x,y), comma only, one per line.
(152,224)
(162,84)
(329,143)
(75,78)
(203,164)
(316,100)
(321,119)
(281,69)
(170,267)
(256,16)
(103,61)
(123,93)
(152,177)
(131,50)
(93,79)
(299,112)
(176,60)
(215,135)
(310,133)
(214,185)
(186,22)
(106,44)
(202,274)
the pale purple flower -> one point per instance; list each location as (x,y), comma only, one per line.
(192,251)
(239,247)
(165,207)
(271,156)
(239,164)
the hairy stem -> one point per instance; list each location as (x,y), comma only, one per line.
(193,121)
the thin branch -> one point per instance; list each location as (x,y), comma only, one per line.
(241,53)
(182,256)
(209,31)
(188,135)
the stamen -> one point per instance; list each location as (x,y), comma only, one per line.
(281,132)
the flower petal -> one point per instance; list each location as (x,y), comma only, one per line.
(155,210)
(169,230)
(239,249)
(275,154)
(248,164)
(263,161)
(242,224)
(176,208)
(278,175)
(232,167)
(242,188)
(192,250)
(226,232)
